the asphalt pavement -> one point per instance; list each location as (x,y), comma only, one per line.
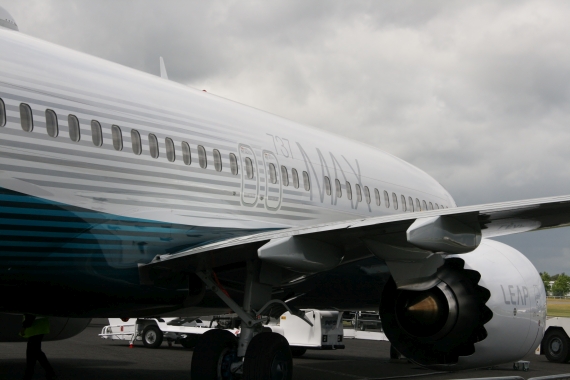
(88,357)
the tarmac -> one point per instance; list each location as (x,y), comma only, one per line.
(87,357)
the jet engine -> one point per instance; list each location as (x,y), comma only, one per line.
(488,308)
(60,328)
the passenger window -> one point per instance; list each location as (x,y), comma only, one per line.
(436,207)
(117,137)
(386,199)
(348,190)
(367,194)
(186,155)
(96,133)
(26,118)
(395,201)
(328,185)
(2,113)
(338,188)
(411,204)
(136,143)
(418,206)
(248,168)
(358,193)
(377,195)
(203,160)
(233,164)
(295,178)
(153,145)
(306,182)
(51,123)
(424,204)
(272,173)
(284,176)
(74,129)
(430,206)
(217,160)
(170,150)
(404,203)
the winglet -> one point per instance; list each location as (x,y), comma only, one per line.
(163,69)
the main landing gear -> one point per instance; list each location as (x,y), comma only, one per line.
(257,354)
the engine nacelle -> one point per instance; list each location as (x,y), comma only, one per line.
(60,328)
(489,308)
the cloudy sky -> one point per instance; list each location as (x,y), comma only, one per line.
(477,94)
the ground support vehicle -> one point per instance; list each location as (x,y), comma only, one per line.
(362,320)
(555,344)
(324,333)
(153,331)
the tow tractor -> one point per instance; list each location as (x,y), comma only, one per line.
(325,331)
(555,344)
(152,331)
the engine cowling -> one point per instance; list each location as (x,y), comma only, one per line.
(60,328)
(488,308)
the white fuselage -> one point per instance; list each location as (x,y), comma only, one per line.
(121,183)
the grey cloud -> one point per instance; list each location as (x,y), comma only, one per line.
(474,93)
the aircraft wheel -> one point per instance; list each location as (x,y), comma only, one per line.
(152,336)
(213,355)
(556,346)
(298,351)
(190,341)
(268,357)
(394,354)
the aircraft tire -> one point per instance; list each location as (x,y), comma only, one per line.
(268,357)
(190,341)
(394,354)
(556,346)
(152,337)
(215,351)
(297,352)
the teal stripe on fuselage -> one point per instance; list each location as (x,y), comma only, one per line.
(36,232)
(68,235)
(91,226)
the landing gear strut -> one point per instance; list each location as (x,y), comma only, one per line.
(257,354)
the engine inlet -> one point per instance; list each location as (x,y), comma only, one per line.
(430,313)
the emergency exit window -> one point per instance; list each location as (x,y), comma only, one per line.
(272,174)
(248,168)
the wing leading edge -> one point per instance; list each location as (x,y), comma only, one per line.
(488,220)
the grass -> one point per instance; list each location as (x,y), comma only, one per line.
(558,307)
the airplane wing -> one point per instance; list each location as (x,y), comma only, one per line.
(453,230)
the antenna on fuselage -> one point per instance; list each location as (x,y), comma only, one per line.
(6,20)
(163,73)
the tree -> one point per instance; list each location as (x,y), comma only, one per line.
(561,286)
(546,280)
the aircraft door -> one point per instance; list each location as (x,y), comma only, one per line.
(249,176)
(273,185)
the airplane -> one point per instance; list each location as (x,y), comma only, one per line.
(125,194)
